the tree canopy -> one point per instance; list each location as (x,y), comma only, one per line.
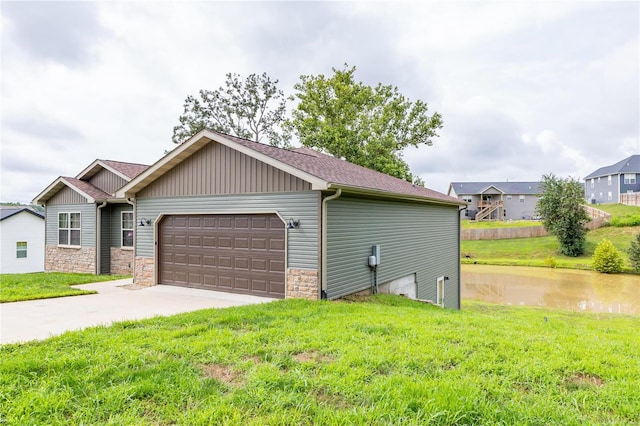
(253,109)
(369,126)
(561,206)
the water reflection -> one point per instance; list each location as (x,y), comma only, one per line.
(554,288)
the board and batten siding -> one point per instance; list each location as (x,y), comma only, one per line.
(218,169)
(414,238)
(107,181)
(115,226)
(66,196)
(87,222)
(302,243)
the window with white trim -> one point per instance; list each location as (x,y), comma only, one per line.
(522,198)
(609,196)
(508,197)
(127,229)
(609,180)
(69,229)
(440,291)
(21,249)
(629,178)
(593,182)
(467,198)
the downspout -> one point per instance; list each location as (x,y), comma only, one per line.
(135,233)
(460,256)
(99,237)
(323,271)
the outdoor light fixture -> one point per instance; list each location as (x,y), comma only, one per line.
(145,222)
(293,224)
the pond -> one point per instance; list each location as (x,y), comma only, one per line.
(584,291)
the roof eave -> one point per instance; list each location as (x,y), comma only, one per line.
(104,165)
(396,195)
(196,142)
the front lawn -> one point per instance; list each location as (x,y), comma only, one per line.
(44,285)
(472,224)
(385,360)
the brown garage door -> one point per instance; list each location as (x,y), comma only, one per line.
(234,253)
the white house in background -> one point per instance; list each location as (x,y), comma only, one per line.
(22,240)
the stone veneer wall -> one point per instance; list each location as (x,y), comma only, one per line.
(121,261)
(144,271)
(302,284)
(67,259)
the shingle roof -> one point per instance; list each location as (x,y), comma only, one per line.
(513,188)
(89,189)
(130,170)
(628,165)
(340,172)
(7,212)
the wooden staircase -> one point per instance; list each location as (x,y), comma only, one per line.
(487,209)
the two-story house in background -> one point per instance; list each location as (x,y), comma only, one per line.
(497,200)
(607,184)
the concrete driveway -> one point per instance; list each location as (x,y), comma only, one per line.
(115,301)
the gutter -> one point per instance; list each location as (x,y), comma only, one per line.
(323,270)
(393,195)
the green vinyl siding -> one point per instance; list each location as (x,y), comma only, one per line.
(87,218)
(414,238)
(302,243)
(105,240)
(116,223)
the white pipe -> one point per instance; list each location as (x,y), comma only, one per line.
(323,266)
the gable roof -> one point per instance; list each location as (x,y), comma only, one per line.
(7,212)
(92,193)
(320,170)
(508,188)
(628,165)
(127,171)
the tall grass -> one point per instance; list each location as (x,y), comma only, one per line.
(384,361)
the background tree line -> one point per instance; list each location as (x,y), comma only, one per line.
(337,115)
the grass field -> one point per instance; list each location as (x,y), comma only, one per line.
(386,360)
(472,224)
(45,285)
(536,251)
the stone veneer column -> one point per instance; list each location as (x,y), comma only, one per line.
(70,259)
(144,271)
(302,284)
(121,261)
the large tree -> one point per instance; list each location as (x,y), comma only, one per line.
(369,126)
(561,205)
(253,108)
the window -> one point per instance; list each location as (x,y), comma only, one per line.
(609,180)
(21,249)
(630,178)
(508,197)
(609,196)
(69,229)
(522,198)
(598,180)
(593,181)
(467,198)
(127,229)
(440,291)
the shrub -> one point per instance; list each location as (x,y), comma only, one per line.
(634,254)
(551,262)
(607,258)
(626,220)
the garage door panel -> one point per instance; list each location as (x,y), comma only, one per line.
(236,253)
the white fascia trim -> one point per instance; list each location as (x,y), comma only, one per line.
(395,195)
(60,180)
(103,165)
(203,137)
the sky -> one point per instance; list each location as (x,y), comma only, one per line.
(524,88)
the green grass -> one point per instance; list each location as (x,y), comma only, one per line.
(45,285)
(622,215)
(534,251)
(384,361)
(472,224)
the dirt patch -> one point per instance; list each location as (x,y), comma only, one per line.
(255,359)
(581,380)
(222,373)
(312,356)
